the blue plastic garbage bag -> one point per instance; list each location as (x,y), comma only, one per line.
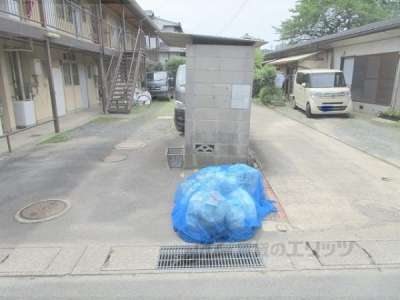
(220,204)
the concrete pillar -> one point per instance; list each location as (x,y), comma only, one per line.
(51,88)
(103,84)
(124,26)
(6,94)
(396,90)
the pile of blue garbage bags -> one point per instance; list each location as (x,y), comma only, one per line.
(221,204)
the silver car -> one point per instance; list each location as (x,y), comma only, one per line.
(180,84)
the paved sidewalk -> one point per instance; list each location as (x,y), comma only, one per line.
(33,136)
(279,254)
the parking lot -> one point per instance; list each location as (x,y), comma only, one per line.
(328,173)
(120,189)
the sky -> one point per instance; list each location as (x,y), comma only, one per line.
(232,18)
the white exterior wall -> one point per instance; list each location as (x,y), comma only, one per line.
(359,47)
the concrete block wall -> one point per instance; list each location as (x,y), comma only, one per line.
(215,131)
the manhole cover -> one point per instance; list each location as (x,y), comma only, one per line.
(113,158)
(210,257)
(41,211)
(130,145)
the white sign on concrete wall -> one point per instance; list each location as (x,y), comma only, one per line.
(241,94)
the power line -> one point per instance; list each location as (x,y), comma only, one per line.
(234,17)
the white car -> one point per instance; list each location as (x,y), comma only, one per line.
(321,92)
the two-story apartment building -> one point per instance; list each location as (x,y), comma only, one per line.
(89,42)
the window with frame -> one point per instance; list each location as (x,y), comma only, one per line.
(84,14)
(89,71)
(300,78)
(66,68)
(75,74)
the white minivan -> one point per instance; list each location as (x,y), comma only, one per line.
(321,91)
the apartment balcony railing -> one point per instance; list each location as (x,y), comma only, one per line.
(112,36)
(72,18)
(69,17)
(21,10)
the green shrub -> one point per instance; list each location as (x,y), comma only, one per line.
(154,67)
(269,94)
(173,63)
(392,114)
(264,76)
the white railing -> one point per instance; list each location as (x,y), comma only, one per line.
(72,18)
(22,10)
(67,16)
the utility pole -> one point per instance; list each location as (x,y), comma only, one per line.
(104,92)
(52,90)
(50,71)
(124,25)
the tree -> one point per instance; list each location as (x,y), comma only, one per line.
(315,18)
(154,67)
(258,59)
(173,64)
(264,80)
(264,75)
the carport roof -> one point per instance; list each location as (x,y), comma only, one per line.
(290,59)
(174,39)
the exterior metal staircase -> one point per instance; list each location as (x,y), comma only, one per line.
(124,79)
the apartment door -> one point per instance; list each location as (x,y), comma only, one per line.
(59,89)
(83,78)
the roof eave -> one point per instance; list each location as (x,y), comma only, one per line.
(323,43)
(144,17)
(174,39)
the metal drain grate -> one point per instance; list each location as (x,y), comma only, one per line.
(210,257)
